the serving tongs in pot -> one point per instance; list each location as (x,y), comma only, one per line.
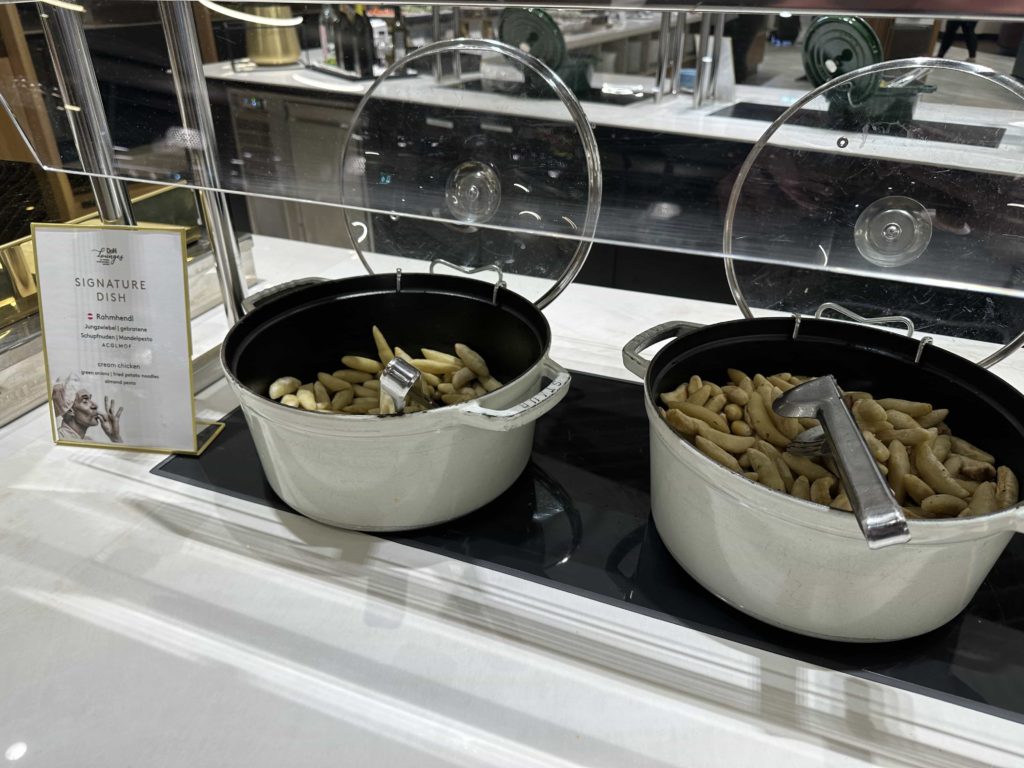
(879,515)
(400,387)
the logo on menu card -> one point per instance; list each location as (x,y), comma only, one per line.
(107,256)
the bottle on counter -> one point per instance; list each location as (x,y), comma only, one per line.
(327,25)
(399,36)
(345,40)
(365,48)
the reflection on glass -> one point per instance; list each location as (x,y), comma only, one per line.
(250,18)
(667,167)
(16,751)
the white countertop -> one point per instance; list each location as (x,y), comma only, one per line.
(592,35)
(150,623)
(677,115)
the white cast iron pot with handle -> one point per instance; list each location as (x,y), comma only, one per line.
(384,473)
(425,183)
(847,197)
(799,565)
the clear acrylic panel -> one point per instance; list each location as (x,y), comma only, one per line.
(950,140)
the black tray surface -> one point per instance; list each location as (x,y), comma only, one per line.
(924,130)
(578,518)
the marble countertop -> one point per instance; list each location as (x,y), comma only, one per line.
(145,622)
(677,115)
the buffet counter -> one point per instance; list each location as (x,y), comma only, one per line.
(720,120)
(148,622)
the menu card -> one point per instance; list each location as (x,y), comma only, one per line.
(115,317)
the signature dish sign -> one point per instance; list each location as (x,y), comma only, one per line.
(114,308)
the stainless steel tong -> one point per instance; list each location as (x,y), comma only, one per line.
(399,387)
(879,515)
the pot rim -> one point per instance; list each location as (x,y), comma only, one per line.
(370,424)
(831,521)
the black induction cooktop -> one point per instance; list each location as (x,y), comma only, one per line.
(579,518)
(923,130)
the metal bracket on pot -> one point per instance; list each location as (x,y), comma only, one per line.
(879,515)
(926,341)
(434,263)
(906,322)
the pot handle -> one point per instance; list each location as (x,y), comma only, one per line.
(637,364)
(274,292)
(527,411)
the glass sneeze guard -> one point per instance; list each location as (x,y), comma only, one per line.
(668,168)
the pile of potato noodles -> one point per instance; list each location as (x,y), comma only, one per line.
(932,473)
(355,389)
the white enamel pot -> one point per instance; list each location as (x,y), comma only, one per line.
(798,565)
(386,473)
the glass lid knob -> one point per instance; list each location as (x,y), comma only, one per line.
(893,231)
(473,192)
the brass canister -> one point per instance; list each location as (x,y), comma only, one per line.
(271,46)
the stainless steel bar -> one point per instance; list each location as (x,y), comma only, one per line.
(436,32)
(995,10)
(678,50)
(456,25)
(992,10)
(716,60)
(702,60)
(76,78)
(664,55)
(197,120)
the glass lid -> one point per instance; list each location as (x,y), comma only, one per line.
(876,220)
(469,182)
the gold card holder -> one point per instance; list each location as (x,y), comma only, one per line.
(114,314)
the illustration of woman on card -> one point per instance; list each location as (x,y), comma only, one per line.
(76,411)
